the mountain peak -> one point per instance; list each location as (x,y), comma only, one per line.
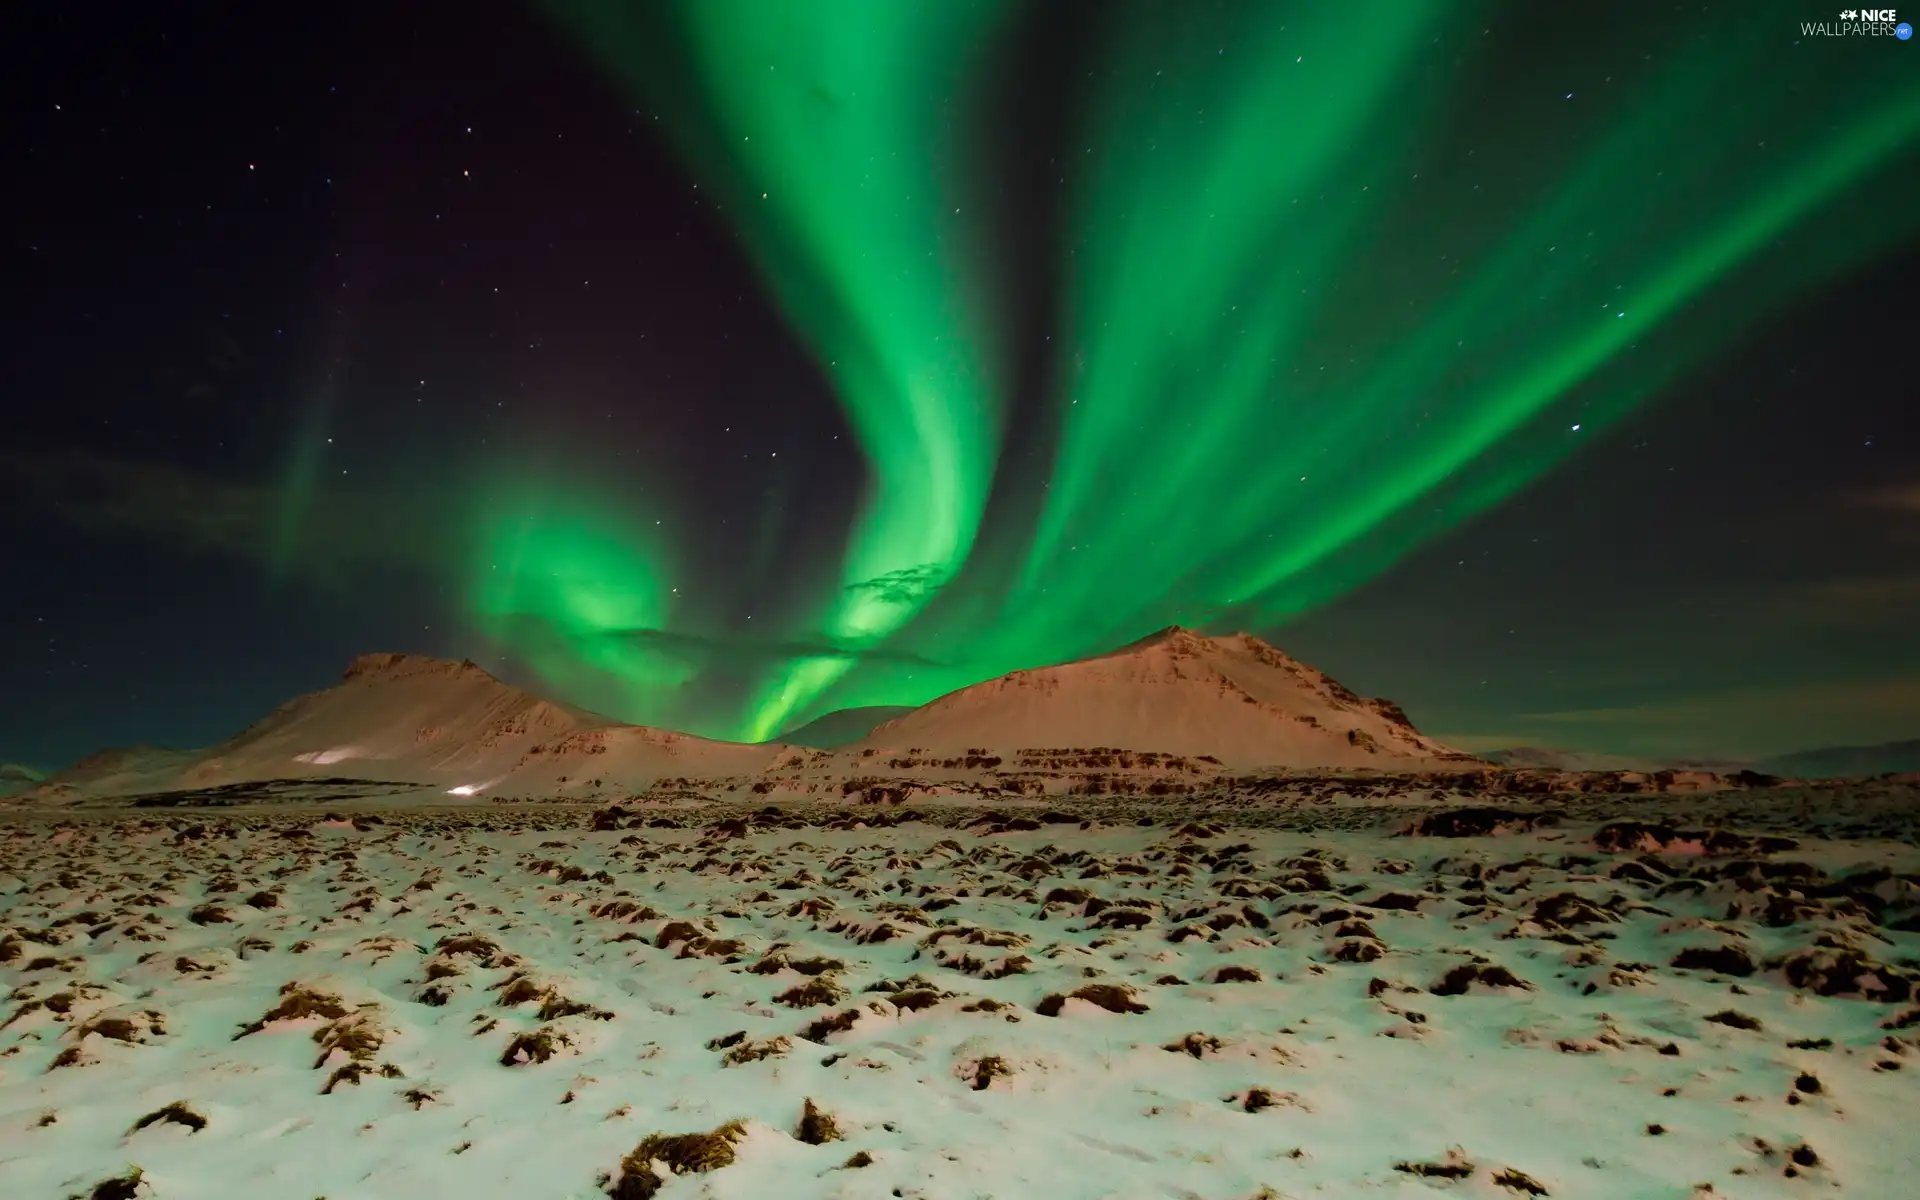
(1233,700)
(400,665)
(1177,638)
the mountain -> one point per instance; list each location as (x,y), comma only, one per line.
(842,726)
(120,771)
(1547,758)
(1236,699)
(408,718)
(1839,762)
(1826,762)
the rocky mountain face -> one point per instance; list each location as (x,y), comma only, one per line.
(1233,700)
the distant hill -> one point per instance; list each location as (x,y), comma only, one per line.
(1547,758)
(842,726)
(1235,699)
(1551,758)
(14,778)
(1840,762)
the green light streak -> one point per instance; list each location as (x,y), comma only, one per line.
(830,132)
(1854,151)
(572,586)
(1317,468)
(1195,238)
(1294,360)
(299,481)
(1325,296)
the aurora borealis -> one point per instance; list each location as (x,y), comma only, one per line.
(759,360)
(842,121)
(1188,354)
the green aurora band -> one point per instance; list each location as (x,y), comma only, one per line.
(831,135)
(1274,472)
(1311,317)
(568,578)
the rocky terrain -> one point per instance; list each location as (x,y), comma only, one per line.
(1189,920)
(1577,995)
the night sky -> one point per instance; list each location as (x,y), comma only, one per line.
(1548,369)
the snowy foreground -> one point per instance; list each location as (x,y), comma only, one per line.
(509,1005)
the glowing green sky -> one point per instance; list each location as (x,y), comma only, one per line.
(717,364)
(839,148)
(562,575)
(1327,286)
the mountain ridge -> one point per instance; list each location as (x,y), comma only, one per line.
(414,719)
(1235,698)
(1223,704)
(1832,762)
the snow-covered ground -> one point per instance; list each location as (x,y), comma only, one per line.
(1302,1013)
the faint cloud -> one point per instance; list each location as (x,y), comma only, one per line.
(755,653)
(1905,498)
(908,585)
(1856,599)
(113,496)
(204,514)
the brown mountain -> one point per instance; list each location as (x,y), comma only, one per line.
(1235,698)
(409,718)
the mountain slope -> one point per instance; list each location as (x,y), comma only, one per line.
(15,776)
(1235,698)
(413,719)
(842,726)
(1836,762)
